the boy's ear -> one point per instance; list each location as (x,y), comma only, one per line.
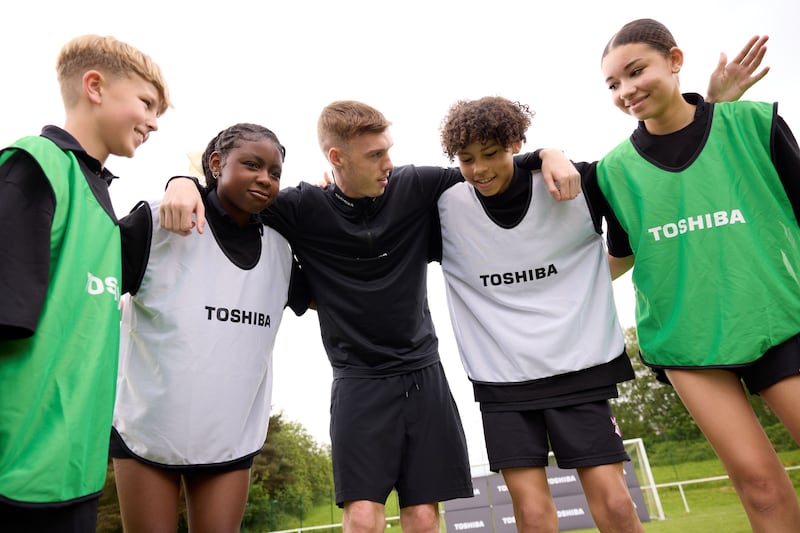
(516,147)
(93,85)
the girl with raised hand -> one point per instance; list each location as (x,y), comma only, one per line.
(707,198)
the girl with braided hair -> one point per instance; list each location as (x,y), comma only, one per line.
(195,375)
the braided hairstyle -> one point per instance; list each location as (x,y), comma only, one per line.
(228,139)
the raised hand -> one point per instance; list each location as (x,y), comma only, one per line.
(730,81)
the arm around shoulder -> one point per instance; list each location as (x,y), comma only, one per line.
(181,200)
(562,178)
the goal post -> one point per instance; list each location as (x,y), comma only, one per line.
(641,465)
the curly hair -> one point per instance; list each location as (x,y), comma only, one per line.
(491,118)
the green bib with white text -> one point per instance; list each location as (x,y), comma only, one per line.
(717,245)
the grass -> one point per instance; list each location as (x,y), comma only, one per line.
(713,506)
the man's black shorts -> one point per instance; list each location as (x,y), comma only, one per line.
(399,432)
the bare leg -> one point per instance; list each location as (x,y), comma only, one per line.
(717,401)
(148,497)
(215,503)
(422,518)
(364,516)
(534,509)
(783,398)
(609,499)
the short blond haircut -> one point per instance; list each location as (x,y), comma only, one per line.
(343,120)
(110,57)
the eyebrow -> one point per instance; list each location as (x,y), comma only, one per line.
(627,66)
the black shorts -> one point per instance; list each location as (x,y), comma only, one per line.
(400,432)
(78,517)
(777,363)
(581,435)
(118,450)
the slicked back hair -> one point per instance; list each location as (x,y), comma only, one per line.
(644,31)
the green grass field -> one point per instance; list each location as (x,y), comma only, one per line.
(713,506)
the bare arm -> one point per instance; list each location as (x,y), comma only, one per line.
(620,265)
(562,178)
(730,81)
(182,200)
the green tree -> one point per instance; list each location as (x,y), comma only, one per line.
(292,474)
(649,409)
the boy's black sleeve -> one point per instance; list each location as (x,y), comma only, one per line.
(27,206)
(136,232)
(300,297)
(529,161)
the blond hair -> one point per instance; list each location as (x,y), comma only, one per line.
(111,57)
(343,120)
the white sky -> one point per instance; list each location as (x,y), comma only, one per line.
(279,63)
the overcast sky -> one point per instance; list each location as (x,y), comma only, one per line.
(279,63)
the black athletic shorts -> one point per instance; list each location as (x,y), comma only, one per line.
(777,363)
(78,517)
(118,450)
(400,432)
(581,435)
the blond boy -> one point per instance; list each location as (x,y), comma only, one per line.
(60,281)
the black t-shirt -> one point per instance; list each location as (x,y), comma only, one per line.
(366,264)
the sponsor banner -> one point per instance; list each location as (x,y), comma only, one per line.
(480,496)
(491,509)
(630,474)
(573,512)
(638,501)
(498,492)
(477,520)
(563,482)
(504,521)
